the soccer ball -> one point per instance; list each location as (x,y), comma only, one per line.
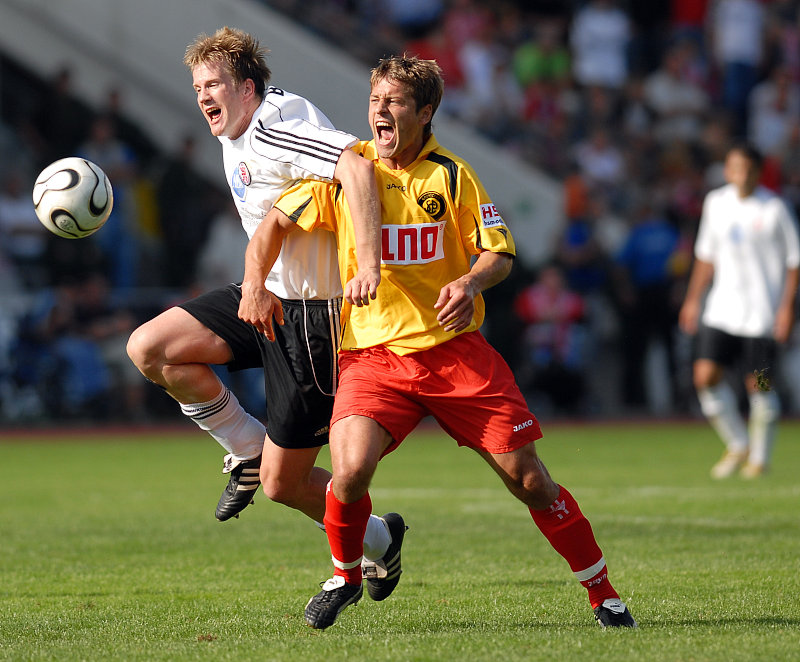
(73,197)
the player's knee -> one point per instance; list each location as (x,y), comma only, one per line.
(279,491)
(533,485)
(141,351)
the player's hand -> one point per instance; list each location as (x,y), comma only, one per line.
(362,287)
(784,321)
(688,317)
(456,305)
(258,306)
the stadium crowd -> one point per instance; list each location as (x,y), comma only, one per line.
(630,105)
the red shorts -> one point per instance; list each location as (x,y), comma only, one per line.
(463,383)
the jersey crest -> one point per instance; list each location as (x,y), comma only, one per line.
(433,203)
(240,179)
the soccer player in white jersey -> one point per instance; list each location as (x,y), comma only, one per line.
(270,138)
(747,252)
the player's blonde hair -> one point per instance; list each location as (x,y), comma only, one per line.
(422,77)
(239,51)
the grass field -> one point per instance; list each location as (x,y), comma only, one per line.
(109,551)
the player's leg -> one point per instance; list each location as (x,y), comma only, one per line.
(718,400)
(473,395)
(175,349)
(357,443)
(557,515)
(371,416)
(765,405)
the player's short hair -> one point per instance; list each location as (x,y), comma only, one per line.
(748,151)
(239,51)
(422,77)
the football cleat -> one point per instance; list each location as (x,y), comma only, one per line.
(613,613)
(383,575)
(336,594)
(751,471)
(241,487)
(728,464)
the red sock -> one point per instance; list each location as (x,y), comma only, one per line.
(345,525)
(570,534)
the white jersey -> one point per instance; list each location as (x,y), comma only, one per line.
(288,139)
(751,242)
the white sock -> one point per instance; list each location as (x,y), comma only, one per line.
(719,406)
(765,410)
(376,539)
(224,419)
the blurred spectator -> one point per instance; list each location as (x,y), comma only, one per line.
(127,131)
(601,160)
(24,238)
(644,291)
(117,238)
(774,110)
(542,57)
(580,252)
(679,104)
(737,44)
(413,18)
(554,339)
(492,99)
(53,355)
(221,260)
(436,45)
(187,204)
(600,36)
(97,318)
(63,121)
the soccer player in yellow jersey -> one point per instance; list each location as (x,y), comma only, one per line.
(416,350)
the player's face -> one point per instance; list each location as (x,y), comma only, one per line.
(228,108)
(740,171)
(397,124)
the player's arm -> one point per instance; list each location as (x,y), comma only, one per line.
(785,315)
(689,315)
(456,303)
(258,305)
(357,177)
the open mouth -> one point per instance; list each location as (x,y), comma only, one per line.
(213,114)
(384,132)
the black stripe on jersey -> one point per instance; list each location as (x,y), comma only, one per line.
(479,244)
(297,213)
(452,169)
(310,147)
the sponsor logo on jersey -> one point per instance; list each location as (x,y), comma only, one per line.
(240,179)
(399,187)
(490,217)
(244,173)
(433,203)
(417,243)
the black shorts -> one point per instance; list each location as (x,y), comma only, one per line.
(300,366)
(747,354)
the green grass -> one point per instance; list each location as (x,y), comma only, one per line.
(109,551)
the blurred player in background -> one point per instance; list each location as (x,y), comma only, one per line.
(747,252)
(270,138)
(416,350)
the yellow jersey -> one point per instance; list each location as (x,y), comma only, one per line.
(436,217)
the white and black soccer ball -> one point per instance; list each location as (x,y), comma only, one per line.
(73,197)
